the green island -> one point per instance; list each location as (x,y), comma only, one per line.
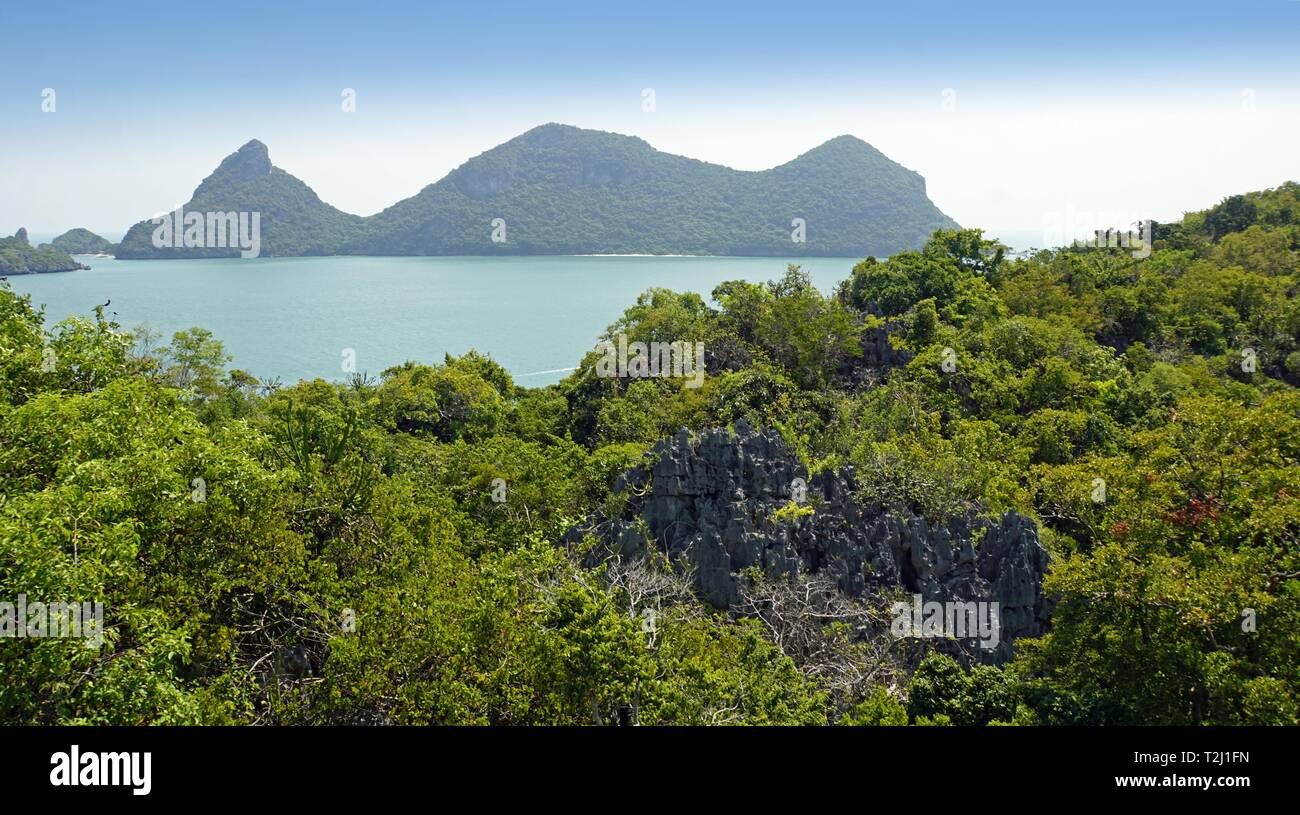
(562,190)
(18,256)
(81,241)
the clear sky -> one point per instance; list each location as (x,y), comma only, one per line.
(1023,117)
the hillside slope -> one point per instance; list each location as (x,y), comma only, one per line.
(565,190)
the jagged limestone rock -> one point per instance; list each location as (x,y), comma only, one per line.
(709,500)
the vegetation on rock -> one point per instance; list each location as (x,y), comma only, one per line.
(563,190)
(398,550)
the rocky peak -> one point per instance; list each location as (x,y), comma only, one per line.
(248,162)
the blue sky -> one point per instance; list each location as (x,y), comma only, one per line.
(1019,115)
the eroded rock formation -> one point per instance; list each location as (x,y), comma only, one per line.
(709,501)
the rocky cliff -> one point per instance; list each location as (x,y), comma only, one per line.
(710,500)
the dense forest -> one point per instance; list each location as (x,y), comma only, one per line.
(564,190)
(424,547)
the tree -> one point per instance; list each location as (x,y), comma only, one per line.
(197,362)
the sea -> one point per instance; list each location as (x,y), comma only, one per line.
(305,318)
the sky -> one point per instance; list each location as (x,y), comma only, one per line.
(1033,121)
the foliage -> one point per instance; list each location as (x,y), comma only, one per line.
(81,242)
(17,256)
(402,550)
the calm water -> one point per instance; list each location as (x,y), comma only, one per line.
(292,317)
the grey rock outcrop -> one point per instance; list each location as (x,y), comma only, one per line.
(878,352)
(709,501)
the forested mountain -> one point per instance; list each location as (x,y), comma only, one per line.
(1106,446)
(18,256)
(563,190)
(81,242)
(294,221)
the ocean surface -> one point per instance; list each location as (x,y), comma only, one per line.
(294,318)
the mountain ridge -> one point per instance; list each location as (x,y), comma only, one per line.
(560,189)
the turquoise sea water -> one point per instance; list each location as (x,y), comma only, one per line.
(292,318)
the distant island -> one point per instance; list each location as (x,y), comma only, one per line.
(18,256)
(558,189)
(82,242)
